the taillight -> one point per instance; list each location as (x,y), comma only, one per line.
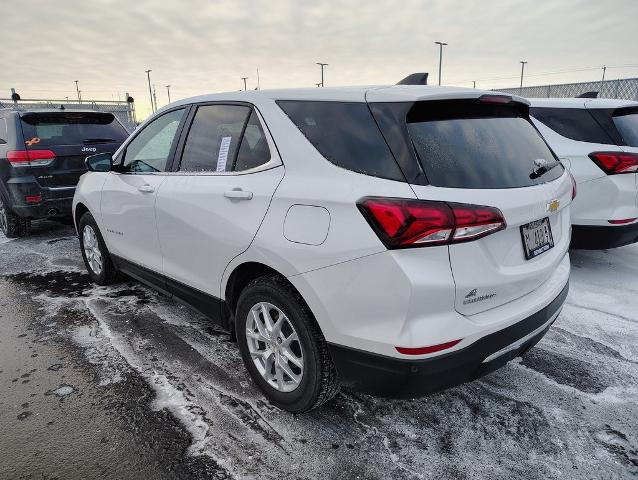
(30,158)
(406,223)
(574,188)
(613,163)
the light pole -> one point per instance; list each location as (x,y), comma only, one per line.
(474,82)
(154,97)
(441,45)
(168,92)
(602,82)
(520,91)
(150,92)
(321,65)
(77,89)
(244,79)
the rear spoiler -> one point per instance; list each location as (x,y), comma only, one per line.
(69,116)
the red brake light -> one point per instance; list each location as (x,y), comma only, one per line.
(405,223)
(30,158)
(424,350)
(613,163)
(495,99)
(574,188)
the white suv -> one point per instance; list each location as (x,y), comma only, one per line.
(396,240)
(597,140)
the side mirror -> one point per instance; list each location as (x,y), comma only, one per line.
(101,162)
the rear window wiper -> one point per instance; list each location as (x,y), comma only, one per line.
(542,167)
(88,141)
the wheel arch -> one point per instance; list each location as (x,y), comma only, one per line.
(80,209)
(244,273)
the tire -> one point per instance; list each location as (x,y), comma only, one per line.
(12,225)
(107,273)
(318,380)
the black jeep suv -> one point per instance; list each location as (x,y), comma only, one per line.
(42,156)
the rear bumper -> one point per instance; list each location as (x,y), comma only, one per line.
(594,237)
(55,201)
(391,377)
(57,207)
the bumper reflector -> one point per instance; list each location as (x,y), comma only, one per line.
(429,349)
(33,198)
(622,221)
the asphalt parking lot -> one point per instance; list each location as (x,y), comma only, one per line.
(119,382)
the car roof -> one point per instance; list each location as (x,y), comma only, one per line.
(581,102)
(388,93)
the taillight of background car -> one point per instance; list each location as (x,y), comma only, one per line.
(407,223)
(30,158)
(614,163)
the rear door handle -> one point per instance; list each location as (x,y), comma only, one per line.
(238,194)
(146,188)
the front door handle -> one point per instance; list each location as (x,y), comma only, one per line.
(146,188)
(238,194)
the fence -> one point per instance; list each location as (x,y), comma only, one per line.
(123,111)
(625,88)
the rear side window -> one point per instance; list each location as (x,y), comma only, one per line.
(57,128)
(253,150)
(213,139)
(574,123)
(463,144)
(346,135)
(4,134)
(626,122)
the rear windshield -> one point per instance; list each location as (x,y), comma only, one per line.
(626,121)
(346,134)
(463,144)
(48,129)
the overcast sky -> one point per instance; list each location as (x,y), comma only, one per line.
(208,46)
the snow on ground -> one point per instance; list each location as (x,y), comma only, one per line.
(568,409)
(4,239)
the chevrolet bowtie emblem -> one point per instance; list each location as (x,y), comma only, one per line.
(553,205)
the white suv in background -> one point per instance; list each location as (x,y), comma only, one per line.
(597,140)
(396,240)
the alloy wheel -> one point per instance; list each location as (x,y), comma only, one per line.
(92,249)
(274,347)
(4,222)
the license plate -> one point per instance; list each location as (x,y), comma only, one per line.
(537,238)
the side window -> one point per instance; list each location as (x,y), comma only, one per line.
(3,131)
(149,151)
(254,150)
(213,140)
(574,123)
(345,134)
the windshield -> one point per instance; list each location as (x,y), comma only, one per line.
(50,129)
(471,145)
(626,121)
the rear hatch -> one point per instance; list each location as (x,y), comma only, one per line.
(486,152)
(71,137)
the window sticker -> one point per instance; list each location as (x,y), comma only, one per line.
(32,142)
(224,147)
